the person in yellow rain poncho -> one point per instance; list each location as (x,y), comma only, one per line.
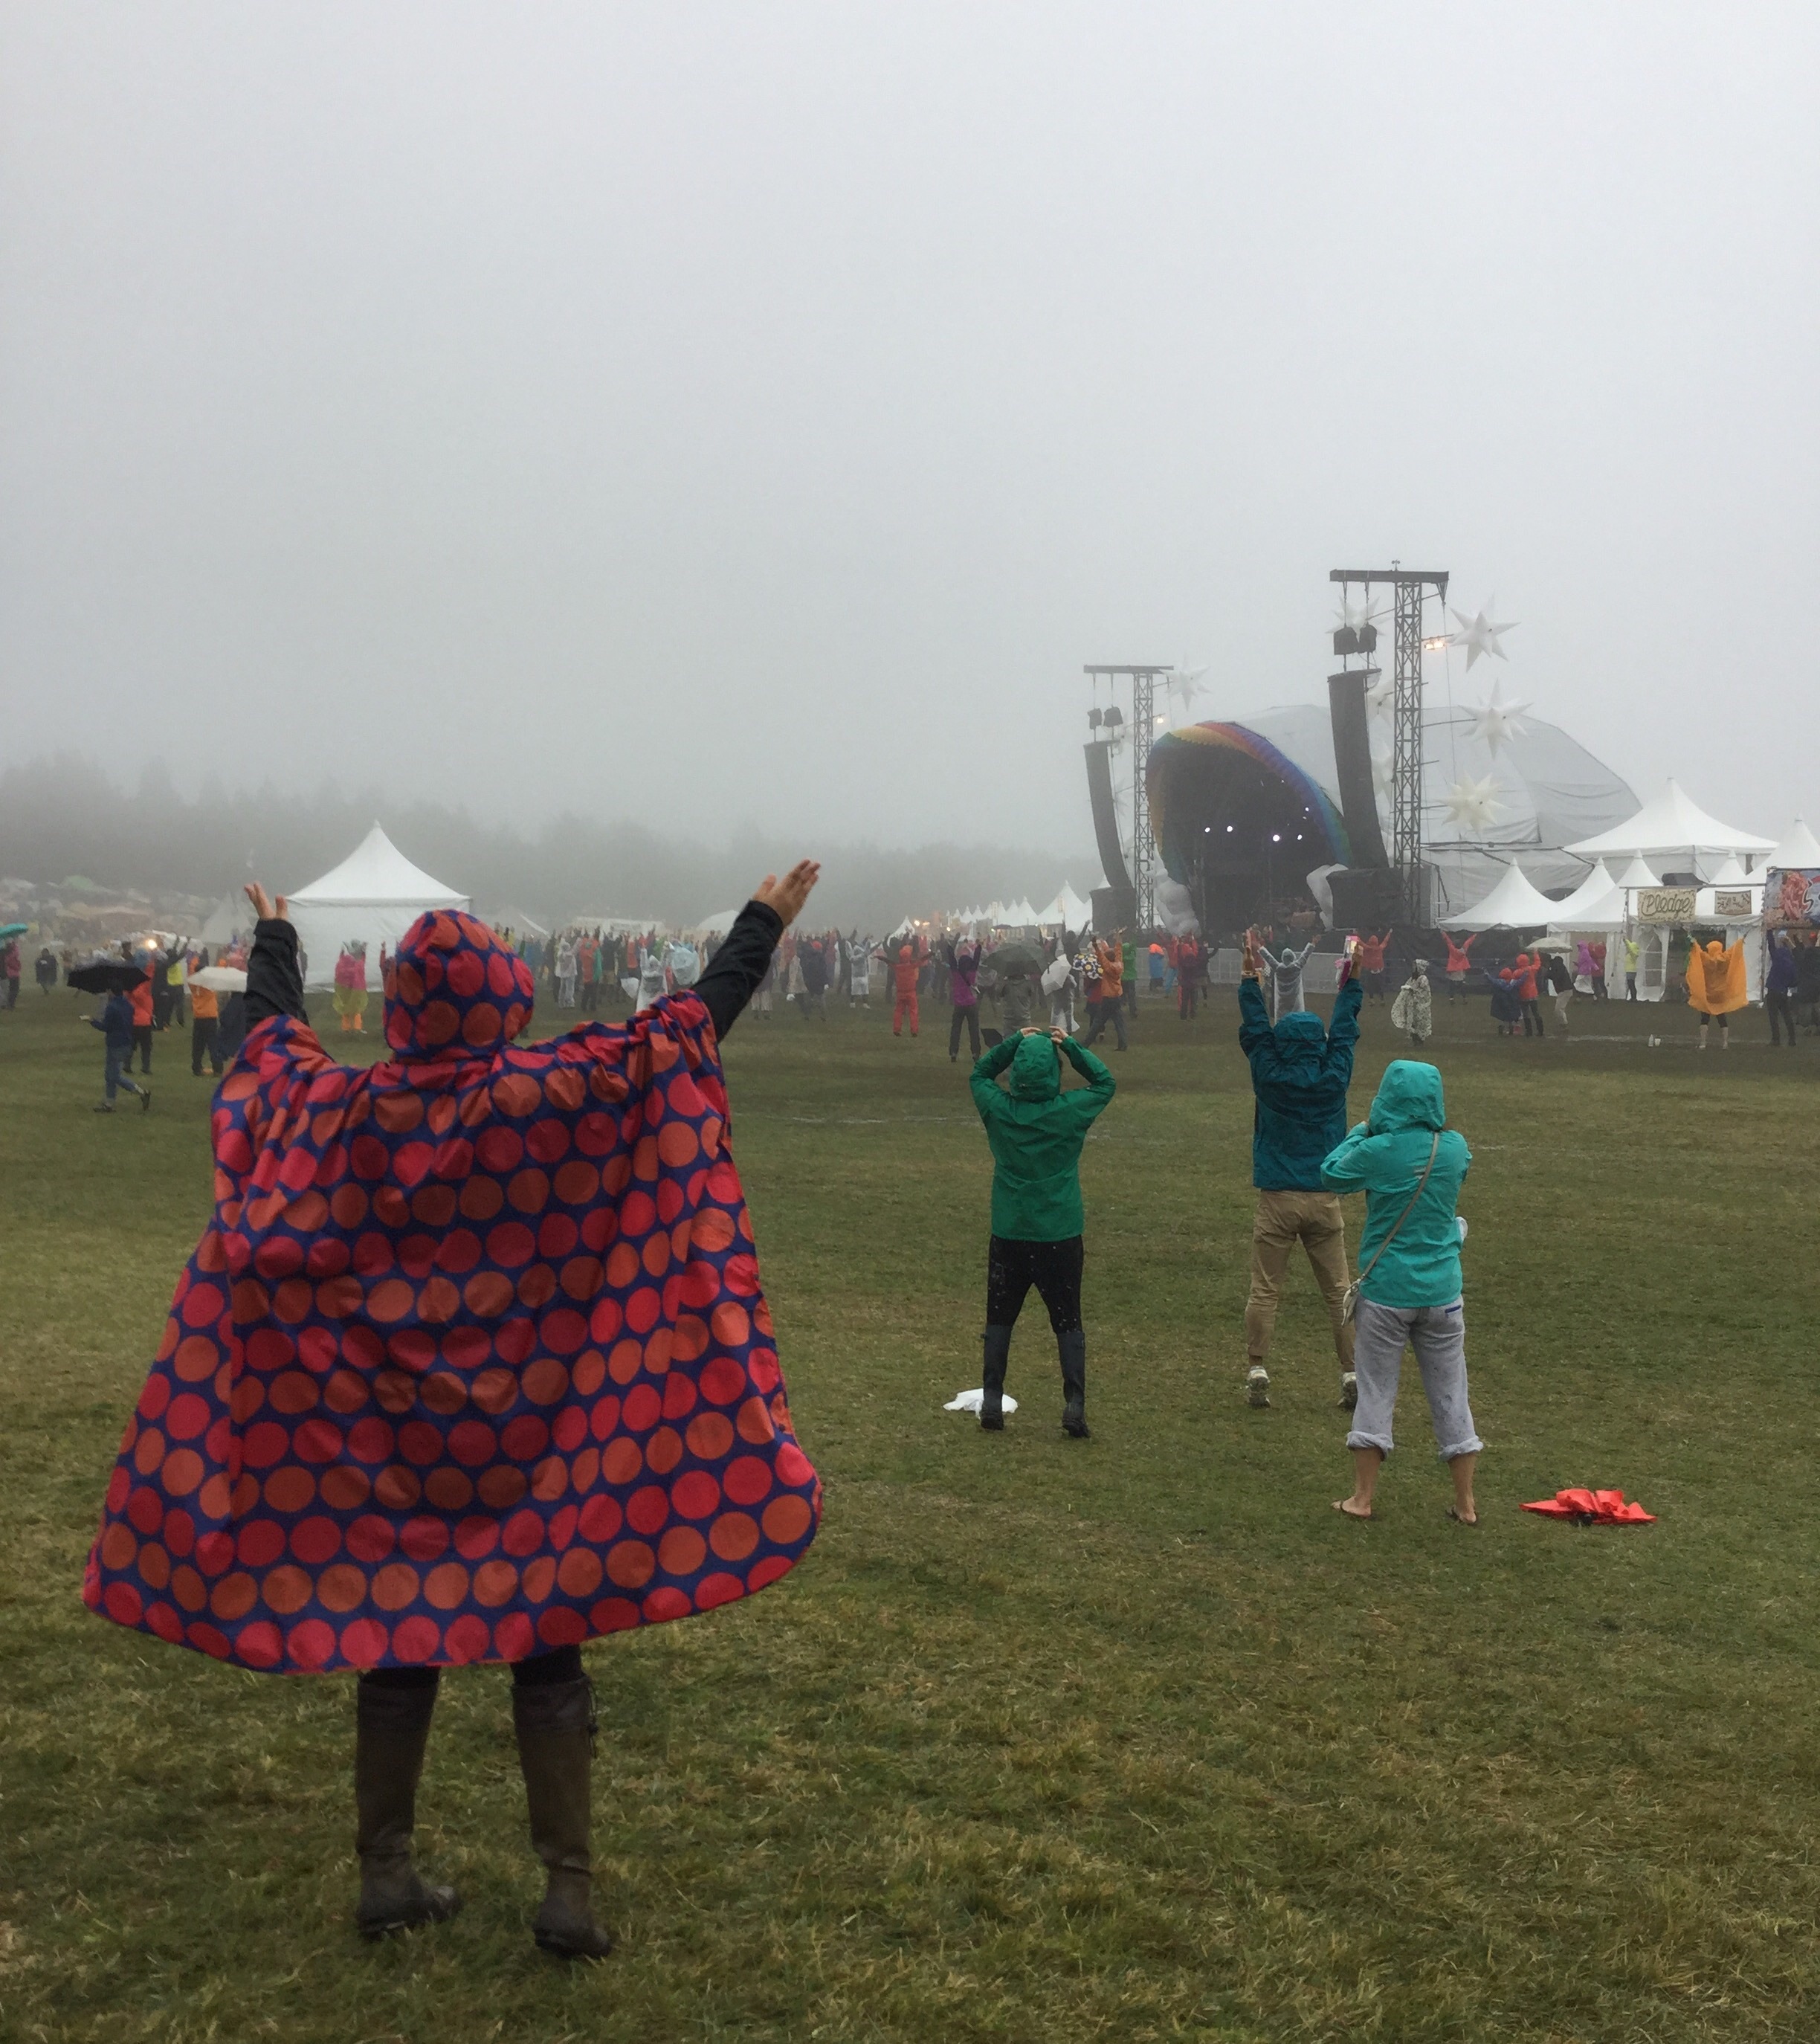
(1716,987)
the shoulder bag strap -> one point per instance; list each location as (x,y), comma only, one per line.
(1434,1151)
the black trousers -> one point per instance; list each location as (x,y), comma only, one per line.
(1053,1267)
(1103,1012)
(1780,1008)
(205,1041)
(1533,1013)
(971,1017)
(142,1043)
(561,1663)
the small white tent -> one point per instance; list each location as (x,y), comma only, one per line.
(1676,832)
(1591,891)
(232,912)
(1798,852)
(375,893)
(1514,904)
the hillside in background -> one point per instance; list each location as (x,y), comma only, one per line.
(64,816)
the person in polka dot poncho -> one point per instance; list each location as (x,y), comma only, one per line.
(472,1364)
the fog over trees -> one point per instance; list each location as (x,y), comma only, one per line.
(62,816)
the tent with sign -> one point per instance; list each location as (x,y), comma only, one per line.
(374,895)
(1514,904)
(1792,892)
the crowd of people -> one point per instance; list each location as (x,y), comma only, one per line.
(473,1363)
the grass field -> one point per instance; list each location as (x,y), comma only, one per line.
(1128,1739)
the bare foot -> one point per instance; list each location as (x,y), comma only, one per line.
(1465,1518)
(1352,1509)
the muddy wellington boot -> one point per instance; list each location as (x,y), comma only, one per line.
(392,1727)
(1074,1348)
(991,1379)
(554,1722)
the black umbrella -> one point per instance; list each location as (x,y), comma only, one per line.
(1012,959)
(107,976)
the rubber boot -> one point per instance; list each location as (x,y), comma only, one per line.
(991,1378)
(392,1727)
(554,1722)
(1074,1348)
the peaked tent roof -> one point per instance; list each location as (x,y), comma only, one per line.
(1799,849)
(1514,904)
(1730,874)
(377,871)
(1609,911)
(1639,873)
(1593,889)
(1671,823)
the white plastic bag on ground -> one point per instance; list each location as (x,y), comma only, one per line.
(971,1401)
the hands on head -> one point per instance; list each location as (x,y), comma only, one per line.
(264,906)
(787,896)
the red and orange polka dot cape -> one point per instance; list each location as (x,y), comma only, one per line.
(473,1361)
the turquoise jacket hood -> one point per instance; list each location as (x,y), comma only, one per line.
(1409,1096)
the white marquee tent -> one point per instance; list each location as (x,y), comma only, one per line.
(1676,832)
(1798,852)
(375,893)
(1572,913)
(1514,904)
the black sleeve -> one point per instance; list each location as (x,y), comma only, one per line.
(274,986)
(733,975)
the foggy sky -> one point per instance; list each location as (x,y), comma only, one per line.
(716,415)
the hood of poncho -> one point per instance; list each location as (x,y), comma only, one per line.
(458,989)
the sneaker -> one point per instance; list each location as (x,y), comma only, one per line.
(993,1423)
(1349,1392)
(1257,1385)
(104,1107)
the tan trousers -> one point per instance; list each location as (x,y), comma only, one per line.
(1282,1220)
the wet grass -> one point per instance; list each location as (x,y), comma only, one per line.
(1129,1739)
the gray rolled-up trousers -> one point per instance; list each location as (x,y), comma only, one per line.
(1438,1334)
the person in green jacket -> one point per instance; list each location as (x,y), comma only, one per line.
(1409,1284)
(1036,1131)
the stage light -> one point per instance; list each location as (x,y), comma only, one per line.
(1438,645)
(1276,837)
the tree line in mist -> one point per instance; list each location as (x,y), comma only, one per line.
(64,816)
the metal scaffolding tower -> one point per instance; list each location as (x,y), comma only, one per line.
(1411,590)
(1143,731)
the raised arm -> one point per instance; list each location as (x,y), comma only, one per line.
(274,985)
(732,979)
(1101,1086)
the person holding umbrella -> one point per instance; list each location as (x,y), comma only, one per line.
(114,978)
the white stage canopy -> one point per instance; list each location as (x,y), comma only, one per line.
(375,893)
(1676,832)
(1514,904)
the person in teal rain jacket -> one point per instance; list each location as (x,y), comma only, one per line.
(1299,1074)
(1409,1284)
(1036,1131)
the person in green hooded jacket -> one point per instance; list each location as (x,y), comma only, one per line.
(1410,1166)
(1036,1131)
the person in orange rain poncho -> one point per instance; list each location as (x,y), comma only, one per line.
(905,969)
(1716,987)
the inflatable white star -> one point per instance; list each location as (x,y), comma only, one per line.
(1379,696)
(1381,768)
(1497,721)
(1479,635)
(1183,685)
(1354,617)
(1474,804)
